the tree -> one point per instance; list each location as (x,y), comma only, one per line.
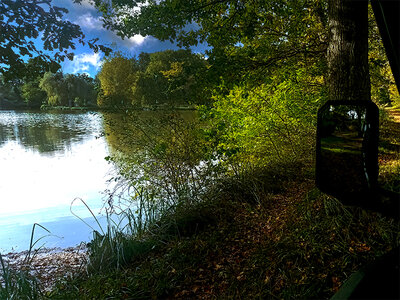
(22,21)
(247,38)
(80,89)
(172,78)
(348,77)
(30,75)
(266,66)
(68,90)
(36,67)
(32,94)
(55,88)
(117,78)
(9,94)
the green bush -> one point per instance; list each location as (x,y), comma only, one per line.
(274,121)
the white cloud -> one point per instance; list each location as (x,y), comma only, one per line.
(94,24)
(88,21)
(83,62)
(87,5)
(137,39)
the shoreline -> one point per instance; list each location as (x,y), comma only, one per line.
(48,265)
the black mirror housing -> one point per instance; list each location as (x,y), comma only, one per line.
(347,151)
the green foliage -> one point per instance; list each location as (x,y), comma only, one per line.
(81,90)
(10,94)
(69,90)
(271,122)
(383,87)
(23,21)
(32,94)
(169,78)
(117,77)
(245,37)
(53,86)
(27,84)
(37,67)
(164,154)
(173,78)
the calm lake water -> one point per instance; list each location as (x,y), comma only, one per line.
(46,161)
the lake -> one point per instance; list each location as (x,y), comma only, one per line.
(46,161)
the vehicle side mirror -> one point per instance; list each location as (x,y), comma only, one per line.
(347,151)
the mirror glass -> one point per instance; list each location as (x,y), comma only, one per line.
(347,147)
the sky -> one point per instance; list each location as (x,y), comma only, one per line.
(89,19)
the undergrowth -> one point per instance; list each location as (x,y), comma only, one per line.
(291,242)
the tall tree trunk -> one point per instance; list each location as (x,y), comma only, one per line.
(348,77)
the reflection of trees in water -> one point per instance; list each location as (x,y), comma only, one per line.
(44,132)
(6,134)
(46,138)
(134,132)
(161,153)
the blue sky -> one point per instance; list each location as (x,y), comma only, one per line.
(88,18)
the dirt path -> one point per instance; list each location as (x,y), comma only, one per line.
(394,114)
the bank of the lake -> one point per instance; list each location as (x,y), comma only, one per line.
(268,233)
(265,233)
(49,265)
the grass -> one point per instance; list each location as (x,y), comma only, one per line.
(17,284)
(21,284)
(389,155)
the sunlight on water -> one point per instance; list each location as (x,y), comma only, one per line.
(48,160)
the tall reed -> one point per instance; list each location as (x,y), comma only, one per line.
(21,284)
(123,238)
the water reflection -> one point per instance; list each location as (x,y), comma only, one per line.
(129,133)
(46,133)
(47,160)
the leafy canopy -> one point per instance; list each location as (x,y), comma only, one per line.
(22,22)
(117,77)
(246,37)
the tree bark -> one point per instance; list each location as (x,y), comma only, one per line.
(348,75)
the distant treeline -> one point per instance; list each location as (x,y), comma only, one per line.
(168,78)
(41,83)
